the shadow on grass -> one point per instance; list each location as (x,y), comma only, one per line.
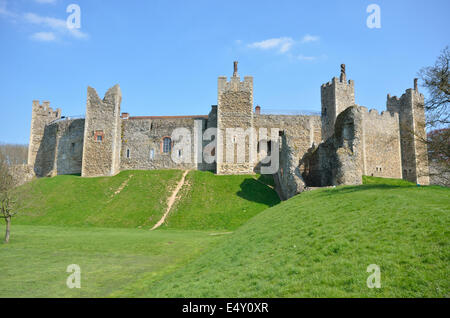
(258,191)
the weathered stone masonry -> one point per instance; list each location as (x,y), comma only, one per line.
(346,142)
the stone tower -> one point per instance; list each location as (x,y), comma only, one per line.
(412,130)
(235,125)
(336,96)
(41,116)
(102,134)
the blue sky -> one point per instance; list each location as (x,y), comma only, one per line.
(167,55)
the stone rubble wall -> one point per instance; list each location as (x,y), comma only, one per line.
(141,136)
(61,148)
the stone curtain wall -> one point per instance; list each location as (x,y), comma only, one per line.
(141,135)
(41,116)
(61,149)
(235,110)
(381,142)
(102,158)
(363,143)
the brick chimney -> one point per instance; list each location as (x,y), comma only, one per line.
(258,110)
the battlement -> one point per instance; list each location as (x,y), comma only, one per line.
(235,84)
(373,114)
(336,81)
(45,109)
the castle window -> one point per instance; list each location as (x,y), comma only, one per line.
(72,147)
(166,145)
(179,153)
(98,135)
(325,111)
(128,153)
(152,154)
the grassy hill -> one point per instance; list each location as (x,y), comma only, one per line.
(134,199)
(320,243)
(208,201)
(317,244)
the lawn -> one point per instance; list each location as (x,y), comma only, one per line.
(34,263)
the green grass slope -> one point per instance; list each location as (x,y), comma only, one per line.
(139,199)
(320,243)
(212,202)
(74,201)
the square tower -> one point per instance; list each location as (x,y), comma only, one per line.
(336,96)
(235,135)
(411,111)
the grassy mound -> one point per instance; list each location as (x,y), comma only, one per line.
(320,243)
(208,201)
(134,199)
(129,199)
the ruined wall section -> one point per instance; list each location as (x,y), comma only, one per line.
(142,143)
(381,144)
(61,149)
(235,110)
(41,116)
(412,130)
(340,159)
(101,155)
(303,132)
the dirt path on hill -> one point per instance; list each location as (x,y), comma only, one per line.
(171,200)
(121,187)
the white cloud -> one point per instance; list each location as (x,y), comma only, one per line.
(4,11)
(55,24)
(282,44)
(310,38)
(306,58)
(45,1)
(44,36)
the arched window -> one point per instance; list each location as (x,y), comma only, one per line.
(152,154)
(166,145)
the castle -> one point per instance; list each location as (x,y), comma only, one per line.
(346,142)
